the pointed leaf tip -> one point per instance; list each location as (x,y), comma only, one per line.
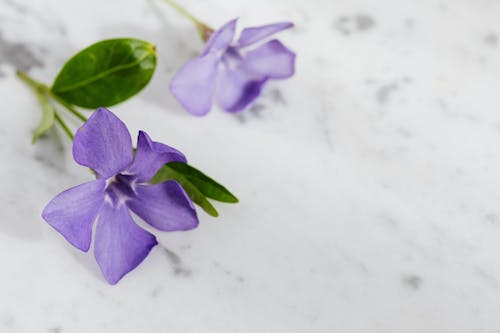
(167,173)
(206,185)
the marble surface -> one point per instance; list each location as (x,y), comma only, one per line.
(368,183)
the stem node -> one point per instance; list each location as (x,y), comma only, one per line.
(42,89)
(203,29)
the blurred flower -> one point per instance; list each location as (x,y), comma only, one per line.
(104,144)
(232,73)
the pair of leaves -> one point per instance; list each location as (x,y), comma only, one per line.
(197,185)
(104,74)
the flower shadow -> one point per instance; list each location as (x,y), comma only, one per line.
(87,261)
(30,179)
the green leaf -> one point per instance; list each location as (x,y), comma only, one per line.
(167,173)
(47,120)
(106,73)
(209,187)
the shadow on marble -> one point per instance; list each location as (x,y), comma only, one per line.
(32,171)
(19,55)
(175,261)
(357,23)
(86,260)
(24,226)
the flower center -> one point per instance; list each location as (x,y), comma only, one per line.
(231,58)
(120,188)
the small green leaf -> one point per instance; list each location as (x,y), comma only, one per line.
(47,120)
(209,187)
(106,73)
(167,173)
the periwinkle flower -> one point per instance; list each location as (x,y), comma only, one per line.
(233,73)
(104,144)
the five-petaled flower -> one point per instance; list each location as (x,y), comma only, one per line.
(104,144)
(229,72)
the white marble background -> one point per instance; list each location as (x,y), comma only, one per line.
(368,183)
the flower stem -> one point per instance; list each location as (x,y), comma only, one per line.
(68,106)
(64,126)
(203,29)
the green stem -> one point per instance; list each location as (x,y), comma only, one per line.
(203,29)
(41,87)
(182,11)
(64,126)
(68,106)
(41,90)
(30,81)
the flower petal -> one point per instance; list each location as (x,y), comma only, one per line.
(120,244)
(103,144)
(270,60)
(255,34)
(165,206)
(236,90)
(221,38)
(194,84)
(73,212)
(151,156)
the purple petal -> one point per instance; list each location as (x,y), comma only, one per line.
(165,206)
(151,156)
(254,34)
(221,38)
(120,244)
(194,84)
(270,60)
(236,90)
(73,212)
(103,144)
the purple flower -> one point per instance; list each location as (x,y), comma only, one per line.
(103,144)
(232,73)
